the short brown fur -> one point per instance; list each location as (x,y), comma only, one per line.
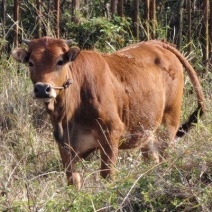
(116,101)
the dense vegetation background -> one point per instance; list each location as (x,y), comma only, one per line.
(31,176)
(108,25)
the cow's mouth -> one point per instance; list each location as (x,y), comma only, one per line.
(45,100)
(50,105)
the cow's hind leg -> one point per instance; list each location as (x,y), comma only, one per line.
(172,111)
(171,120)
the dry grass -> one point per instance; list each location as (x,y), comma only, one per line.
(32,178)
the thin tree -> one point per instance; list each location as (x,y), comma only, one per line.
(189,6)
(180,29)
(16,20)
(135,14)
(48,18)
(57,18)
(120,8)
(74,11)
(113,7)
(39,14)
(4,6)
(210,23)
(152,16)
(205,34)
(210,31)
(146,18)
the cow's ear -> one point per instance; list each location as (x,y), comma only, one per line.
(20,55)
(72,53)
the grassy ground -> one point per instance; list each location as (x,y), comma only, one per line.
(32,178)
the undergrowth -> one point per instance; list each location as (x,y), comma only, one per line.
(32,177)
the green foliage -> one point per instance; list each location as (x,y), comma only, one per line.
(101,33)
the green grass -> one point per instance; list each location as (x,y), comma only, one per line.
(32,177)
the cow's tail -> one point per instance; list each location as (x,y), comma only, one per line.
(198,89)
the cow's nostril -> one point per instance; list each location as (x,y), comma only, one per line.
(35,90)
(48,89)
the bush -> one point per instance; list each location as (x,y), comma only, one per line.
(101,33)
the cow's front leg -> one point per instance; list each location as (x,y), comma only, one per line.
(109,155)
(69,164)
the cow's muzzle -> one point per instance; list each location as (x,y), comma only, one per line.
(44,91)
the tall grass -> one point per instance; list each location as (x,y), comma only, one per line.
(32,178)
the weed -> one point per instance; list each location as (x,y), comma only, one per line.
(32,178)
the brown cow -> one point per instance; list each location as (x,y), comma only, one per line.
(109,101)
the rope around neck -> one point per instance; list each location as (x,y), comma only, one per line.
(65,85)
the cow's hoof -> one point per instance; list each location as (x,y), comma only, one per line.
(75,180)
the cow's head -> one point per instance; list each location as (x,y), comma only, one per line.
(48,60)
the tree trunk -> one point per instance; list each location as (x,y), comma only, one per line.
(152,17)
(48,30)
(205,35)
(189,26)
(210,30)
(39,14)
(57,18)
(135,14)
(180,29)
(146,18)
(120,8)
(74,11)
(4,6)
(16,20)
(113,7)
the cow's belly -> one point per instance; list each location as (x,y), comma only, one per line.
(135,140)
(83,141)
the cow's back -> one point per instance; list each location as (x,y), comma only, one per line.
(150,75)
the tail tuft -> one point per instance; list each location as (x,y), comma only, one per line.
(192,120)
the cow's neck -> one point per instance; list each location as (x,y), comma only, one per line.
(68,99)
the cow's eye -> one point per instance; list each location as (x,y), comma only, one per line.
(30,64)
(60,63)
